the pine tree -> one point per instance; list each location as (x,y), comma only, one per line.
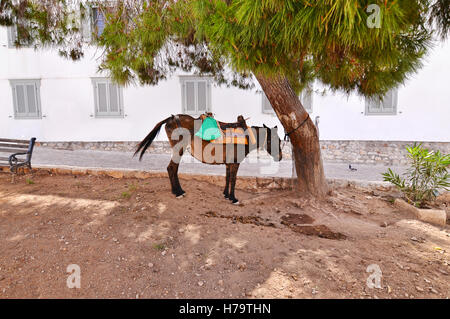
(362,46)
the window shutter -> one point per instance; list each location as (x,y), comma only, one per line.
(208,97)
(389,102)
(190,96)
(201,96)
(113,98)
(99,20)
(26,98)
(21,107)
(12,36)
(100,23)
(374,105)
(94,20)
(183,98)
(306,99)
(86,25)
(31,99)
(102,98)
(267,107)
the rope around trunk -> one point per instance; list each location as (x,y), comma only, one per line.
(301,124)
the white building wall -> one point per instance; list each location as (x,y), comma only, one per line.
(67,103)
(423,112)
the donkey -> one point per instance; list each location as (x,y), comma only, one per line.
(180,130)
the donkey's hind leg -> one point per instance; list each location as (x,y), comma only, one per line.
(172,169)
(233,173)
(226,192)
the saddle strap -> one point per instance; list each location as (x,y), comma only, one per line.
(251,135)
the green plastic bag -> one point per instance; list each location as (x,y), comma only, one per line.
(209,130)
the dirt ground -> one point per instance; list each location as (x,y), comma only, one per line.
(132,239)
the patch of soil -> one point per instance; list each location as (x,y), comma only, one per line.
(321,231)
(132,238)
(255,220)
(296,219)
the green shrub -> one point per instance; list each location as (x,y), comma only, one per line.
(132,187)
(126,195)
(159,246)
(426,175)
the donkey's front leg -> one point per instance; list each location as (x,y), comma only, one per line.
(233,173)
(226,192)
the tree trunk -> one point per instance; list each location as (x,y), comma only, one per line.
(304,139)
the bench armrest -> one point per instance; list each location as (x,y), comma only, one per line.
(12,158)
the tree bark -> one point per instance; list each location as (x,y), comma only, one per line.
(304,139)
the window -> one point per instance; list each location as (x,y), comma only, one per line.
(98,21)
(26,99)
(195,94)
(93,23)
(108,98)
(305,97)
(266,106)
(385,106)
(12,38)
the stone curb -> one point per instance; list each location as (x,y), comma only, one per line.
(243,182)
(432,216)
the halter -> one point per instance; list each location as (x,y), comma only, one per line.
(265,139)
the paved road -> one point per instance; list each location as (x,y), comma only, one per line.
(253,165)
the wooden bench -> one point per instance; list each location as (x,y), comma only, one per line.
(15,148)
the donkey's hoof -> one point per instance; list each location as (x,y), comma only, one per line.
(226,196)
(181,195)
(235,201)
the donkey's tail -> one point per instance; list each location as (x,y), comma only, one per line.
(147,141)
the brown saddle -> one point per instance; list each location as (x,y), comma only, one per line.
(232,133)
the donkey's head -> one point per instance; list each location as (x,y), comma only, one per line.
(272,143)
